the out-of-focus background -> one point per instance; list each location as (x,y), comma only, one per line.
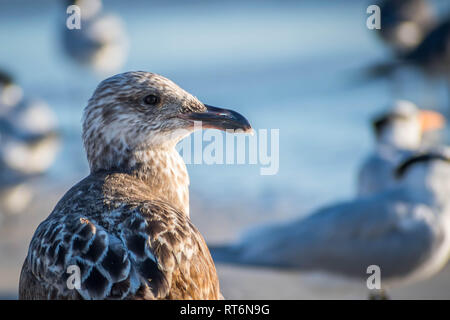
(292,65)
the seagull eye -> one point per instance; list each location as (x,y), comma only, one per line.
(151,99)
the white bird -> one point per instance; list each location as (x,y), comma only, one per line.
(405,231)
(30,139)
(101,42)
(399,133)
(29,144)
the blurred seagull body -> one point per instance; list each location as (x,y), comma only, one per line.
(101,42)
(126,226)
(405,231)
(431,56)
(30,139)
(29,144)
(399,134)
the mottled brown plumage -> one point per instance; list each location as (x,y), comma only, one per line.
(126,226)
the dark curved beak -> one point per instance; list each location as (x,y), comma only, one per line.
(219,118)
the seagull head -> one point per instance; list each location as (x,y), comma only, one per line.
(138,111)
(404,125)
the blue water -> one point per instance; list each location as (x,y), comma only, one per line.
(285,66)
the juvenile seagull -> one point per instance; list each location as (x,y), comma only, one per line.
(405,231)
(399,133)
(126,226)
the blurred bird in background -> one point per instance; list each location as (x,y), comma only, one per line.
(405,23)
(101,42)
(405,231)
(399,132)
(432,55)
(29,144)
(419,40)
(398,220)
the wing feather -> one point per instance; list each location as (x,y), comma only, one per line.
(143,251)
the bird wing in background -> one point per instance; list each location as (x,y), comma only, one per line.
(344,239)
(141,251)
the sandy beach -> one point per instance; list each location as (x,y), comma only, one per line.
(216,226)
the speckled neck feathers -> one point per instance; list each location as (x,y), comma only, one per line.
(163,171)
